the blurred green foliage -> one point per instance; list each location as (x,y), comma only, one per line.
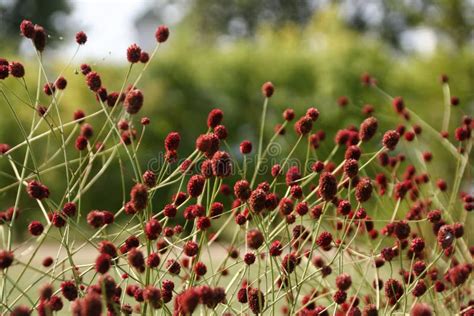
(310,66)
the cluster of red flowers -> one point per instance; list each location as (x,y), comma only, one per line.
(305,230)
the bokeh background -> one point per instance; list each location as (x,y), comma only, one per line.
(220,52)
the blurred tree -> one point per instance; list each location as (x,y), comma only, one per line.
(42,12)
(451,20)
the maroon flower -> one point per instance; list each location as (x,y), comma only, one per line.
(6,259)
(245,147)
(133,101)
(363,190)
(196,185)
(390,139)
(27,29)
(81,38)
(153,229)
(172,141)
(35,228)
(221,164)
(162,33)
(102,263)
(133,53)
(327,188)
(139,196)
(256,300)
(268,89)
(254,238)
(37,190)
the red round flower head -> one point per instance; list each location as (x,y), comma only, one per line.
(144,57)
(162,33)
(16,69)
(27,29)
(149,178)
(242,190)
(49,88)
(79,116)
(221,164)
(257,200)
(39,38)
(102,263)
(220,131)
(153,229)
(6,259)
(245,147)
(61,83)
(398,104)
(324,240)
(363,190)
(289,114)
(351,168)
(93,80)
(454,101)
(393,290)
(327,187)
(446,236)
(368,128)
(342,101)
(69,290)
(139,196)
(254,238)
(85,69)
(133,101)
(196,185)
(133,53)
(153,296)
(339,297)
(81,38)
(343,282)
(304,125)
(256,300)
(145,121)
(35,228)
(172,141)
(208,144)
(95,218)
(268,89)
(37,190)
(214,118)
(421,309)
(135,258)
(203,223)
(313,113)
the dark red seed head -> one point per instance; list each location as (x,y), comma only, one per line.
(81,38)
(102,263)
(268,89)
(256,300)
(27,29)
(162,33)
(254,238)
(368,128)
(304,125)
(139,196)
(149,178)
(390,139)
(313,113)
(324,239)
(133,101)
(133,53)
(35,228)
(61,83)
(39,38)
(446,236)
(327,187)
(214,118)
(398,104)
(245,147)
(153,229)
(16,69)
(93,80)
(196,185)
(69,290)
(135,258)
(6,259)
(363,190)
(221,164)
(289,114)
